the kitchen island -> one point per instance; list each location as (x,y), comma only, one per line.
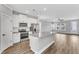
(39,44)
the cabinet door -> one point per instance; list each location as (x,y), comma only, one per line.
(16,37)
(6,34)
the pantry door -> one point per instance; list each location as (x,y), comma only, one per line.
(6,31)
(0,32)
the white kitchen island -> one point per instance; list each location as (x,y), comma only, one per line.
(39,44)
(40,41)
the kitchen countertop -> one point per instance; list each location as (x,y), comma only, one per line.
(15,32)
(69,33)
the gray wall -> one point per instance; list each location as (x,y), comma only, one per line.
(78,26)
(69,26)
(0,32)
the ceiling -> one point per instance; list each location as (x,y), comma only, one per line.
(53,11)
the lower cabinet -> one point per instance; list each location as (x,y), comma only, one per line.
(16,37)
(34,43)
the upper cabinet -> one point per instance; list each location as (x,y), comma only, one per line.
(22,19)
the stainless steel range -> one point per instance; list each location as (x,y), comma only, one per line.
(23,33)
(22,30)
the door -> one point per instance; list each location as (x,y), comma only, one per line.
(6,31)
(74,26)
(0,32)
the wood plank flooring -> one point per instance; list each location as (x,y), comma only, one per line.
(64,44)
(19,48)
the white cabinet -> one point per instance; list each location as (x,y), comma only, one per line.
(16,20)
(5,28)
(34,43)
(16,37)
(41,40)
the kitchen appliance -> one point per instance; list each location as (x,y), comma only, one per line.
(23,33)
(22,24)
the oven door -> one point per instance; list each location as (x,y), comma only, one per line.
(24,35)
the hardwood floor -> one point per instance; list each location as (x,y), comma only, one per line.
(19,48)
(65,44)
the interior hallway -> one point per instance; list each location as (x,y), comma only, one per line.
(65,44)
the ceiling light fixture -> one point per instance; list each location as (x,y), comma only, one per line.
(44,9)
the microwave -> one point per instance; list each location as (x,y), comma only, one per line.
(22,24)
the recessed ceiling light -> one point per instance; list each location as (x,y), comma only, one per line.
(44,9)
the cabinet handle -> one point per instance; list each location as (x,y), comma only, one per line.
(3,34)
